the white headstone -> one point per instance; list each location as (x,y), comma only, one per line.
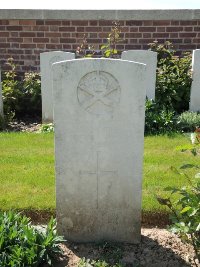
(1,99)
(150,59)
(195,89)
(99,136)
(46,61)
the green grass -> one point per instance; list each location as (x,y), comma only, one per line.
(27,170)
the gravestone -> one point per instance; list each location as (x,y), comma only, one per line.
(46,61)
(99,136)
(195,89)
(1,99)
(150,59)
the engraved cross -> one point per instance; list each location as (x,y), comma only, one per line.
(98,173)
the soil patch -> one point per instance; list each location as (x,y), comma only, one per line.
(158,248)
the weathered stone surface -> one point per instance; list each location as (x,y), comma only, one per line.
(150,59)
(195,89)
(46,61)
(99,136)
(1,99)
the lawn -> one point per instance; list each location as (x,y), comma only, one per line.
(27,170)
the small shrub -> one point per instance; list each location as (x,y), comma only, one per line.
(174,77)
(22,245)
(158,120)
(11,90)
(31,102)
(188,121)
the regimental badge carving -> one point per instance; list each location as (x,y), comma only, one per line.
(98,92)
(54,60)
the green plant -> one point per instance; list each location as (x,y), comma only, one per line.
(11,89)
(95,263)
(174,77)
(158,119)
(47,128)
(31,102)
(22,245)
(186,209)
(109,49)
(188,121)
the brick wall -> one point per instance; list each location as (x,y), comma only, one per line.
(24,40)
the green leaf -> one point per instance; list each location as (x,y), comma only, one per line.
(185,209)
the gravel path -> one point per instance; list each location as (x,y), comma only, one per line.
(158,248)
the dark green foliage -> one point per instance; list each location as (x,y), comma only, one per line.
(158,119)
(174,77)
(22,245)
(188,121)
(21,98)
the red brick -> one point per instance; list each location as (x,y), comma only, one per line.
(40,34)
(67,40)
(93,23)
(146,35)
(176,41)
(54,40)
(133,35)
(4,22)
(131,46)
(105,23)
(66,34)
(53,22)
(40,28)
(160,29)
(148,23)
(14,45)
(4,34)
(28,40)
(27,22)
(27,45)
(197,29)
(175,22)
(174,29)
(15,51)
(188,22)
(147,29)
(3,40)
(13,22)
(66,22)
(134,23)
(92,40)
(66,46)
(125,29)
(196,40)
(188,29)
(161,22)
(173,35)
(53,46)
(67,29)
(106,29)
(80,29)
(39,22)
(146,41)
(2,28)
(41,40)
(79,23)
(161,35)
(14,28)
(187,34)
(4,45)
(27,34)
(133,29)
(18,40)
(93,29)
(188,41)
(52,34)
(187,46)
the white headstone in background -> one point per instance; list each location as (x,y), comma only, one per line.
(46,61)
(99,134)
(195,89)
(1,99)
(150,59)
